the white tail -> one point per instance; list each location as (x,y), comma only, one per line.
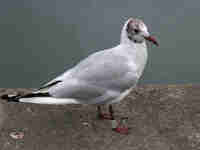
(48,100)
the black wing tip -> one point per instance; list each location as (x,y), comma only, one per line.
(30,95)
(15,98)
(10,98)
(49,85)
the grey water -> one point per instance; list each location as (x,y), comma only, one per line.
(39,39)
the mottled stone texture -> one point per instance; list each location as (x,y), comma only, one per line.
(161,117)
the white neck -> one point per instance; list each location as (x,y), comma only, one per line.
(136,50)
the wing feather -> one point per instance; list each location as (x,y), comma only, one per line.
(99,75)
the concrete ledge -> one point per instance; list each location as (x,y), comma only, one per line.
(161,117)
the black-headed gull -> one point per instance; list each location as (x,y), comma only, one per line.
(105,77)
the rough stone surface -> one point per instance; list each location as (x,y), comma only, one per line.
(161,117)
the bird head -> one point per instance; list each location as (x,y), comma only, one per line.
(136,31)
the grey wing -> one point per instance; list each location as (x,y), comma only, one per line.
(82,91)
(100,77)
(107,69)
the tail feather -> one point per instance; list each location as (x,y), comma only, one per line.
(38,98)
(16,98)
(10,97)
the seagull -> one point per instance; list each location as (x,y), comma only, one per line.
(104,77)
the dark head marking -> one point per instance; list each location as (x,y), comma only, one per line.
(134,27)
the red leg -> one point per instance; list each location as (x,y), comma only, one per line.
(103,115)
(121,130)
(116,126)
(119,127)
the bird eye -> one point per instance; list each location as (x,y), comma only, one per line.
(136,30)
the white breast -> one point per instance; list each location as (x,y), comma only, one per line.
(140,58)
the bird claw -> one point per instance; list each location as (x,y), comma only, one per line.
(120,127)
(121,130)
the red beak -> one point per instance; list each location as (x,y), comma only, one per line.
(152,39)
